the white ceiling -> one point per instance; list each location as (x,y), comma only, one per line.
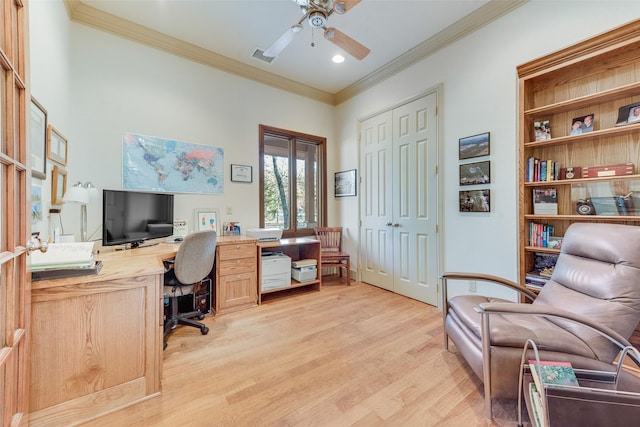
(396,31)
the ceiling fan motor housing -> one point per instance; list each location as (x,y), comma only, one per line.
(318,19)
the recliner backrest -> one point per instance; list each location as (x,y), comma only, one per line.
(195,256)
(597,275)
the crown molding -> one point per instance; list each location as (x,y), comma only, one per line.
(465,26)
(83,14)
(92,17)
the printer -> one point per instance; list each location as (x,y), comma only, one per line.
(276,270)
(265,234)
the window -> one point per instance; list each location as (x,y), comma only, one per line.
(295,205)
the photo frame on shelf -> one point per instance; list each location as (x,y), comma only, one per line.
(474,146)
(207,219)
(542,130)
(58,185)
(475,201)
(241,173)
(345,183)
(57,146)
(38,140)
(475,173)
(582,124)
(628,114)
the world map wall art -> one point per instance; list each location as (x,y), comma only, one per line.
(158,164)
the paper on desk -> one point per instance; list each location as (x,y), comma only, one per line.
(75,254)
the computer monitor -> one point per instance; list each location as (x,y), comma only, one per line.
(132,217)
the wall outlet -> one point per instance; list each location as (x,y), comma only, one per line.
(472,286)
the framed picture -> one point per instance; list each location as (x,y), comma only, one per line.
(475,173)
(56,146)
(473,146)
(207,219)
(241,173)
(542,130)
(345,183)
(38,140)
(475,201)
(36,204)
(628,114)
(58,185)
(582,124)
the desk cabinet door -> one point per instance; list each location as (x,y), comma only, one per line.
(236,291)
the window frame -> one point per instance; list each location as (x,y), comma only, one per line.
(293,136)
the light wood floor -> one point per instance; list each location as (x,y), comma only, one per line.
(345,356)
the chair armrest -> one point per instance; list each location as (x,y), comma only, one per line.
(485,278)
(548,311)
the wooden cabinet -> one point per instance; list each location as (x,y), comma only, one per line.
(297,249)
(236,274)
(598,76)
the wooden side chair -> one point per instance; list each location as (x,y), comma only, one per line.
(331,253)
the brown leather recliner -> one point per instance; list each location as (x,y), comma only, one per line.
(595,283)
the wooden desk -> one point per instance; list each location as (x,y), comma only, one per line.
(96,341)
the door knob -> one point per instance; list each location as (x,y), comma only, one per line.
(395,224)
(36,244)
(389,224)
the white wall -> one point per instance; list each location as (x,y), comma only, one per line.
(479,79)
(50,45)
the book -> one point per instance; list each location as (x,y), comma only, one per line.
(552,373)
(542,130)
(545,201)
(538,417)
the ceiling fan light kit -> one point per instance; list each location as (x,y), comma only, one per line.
(317,13)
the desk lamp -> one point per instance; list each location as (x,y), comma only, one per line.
(82,194)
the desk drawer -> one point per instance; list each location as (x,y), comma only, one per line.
(235,266)
(232,252)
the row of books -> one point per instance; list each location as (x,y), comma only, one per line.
(547,373)
(541,170)
(540,235)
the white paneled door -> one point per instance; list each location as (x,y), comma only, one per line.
(399,200)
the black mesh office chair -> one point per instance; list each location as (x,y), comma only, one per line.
(193,262)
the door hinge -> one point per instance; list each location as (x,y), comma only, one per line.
(437,229)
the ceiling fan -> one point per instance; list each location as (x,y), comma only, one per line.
(317,12)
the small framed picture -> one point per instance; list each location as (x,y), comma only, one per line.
(542,130)
(56,146)
(241,173)
(207,219)
(38,140)
(58,185)
(582,124)
(628,114)
(475,201)
(475,173)
(474,146)
(345,183)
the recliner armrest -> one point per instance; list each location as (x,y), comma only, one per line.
(485,278)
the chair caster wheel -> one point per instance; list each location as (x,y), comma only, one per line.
(204,330)
(200,316)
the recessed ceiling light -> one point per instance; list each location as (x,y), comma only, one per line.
(338,59)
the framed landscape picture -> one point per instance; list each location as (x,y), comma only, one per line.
(345,183)
(475,201)
(473,146)
(475,173)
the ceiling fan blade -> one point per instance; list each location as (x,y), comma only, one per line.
(278,46)
(346,43)
(344,6)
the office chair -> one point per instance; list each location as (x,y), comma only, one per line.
(331,250)
(193,262)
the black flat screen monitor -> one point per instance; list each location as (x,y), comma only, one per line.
(131,217)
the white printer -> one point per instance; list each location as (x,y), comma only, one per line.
(265,234)
(276,270)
